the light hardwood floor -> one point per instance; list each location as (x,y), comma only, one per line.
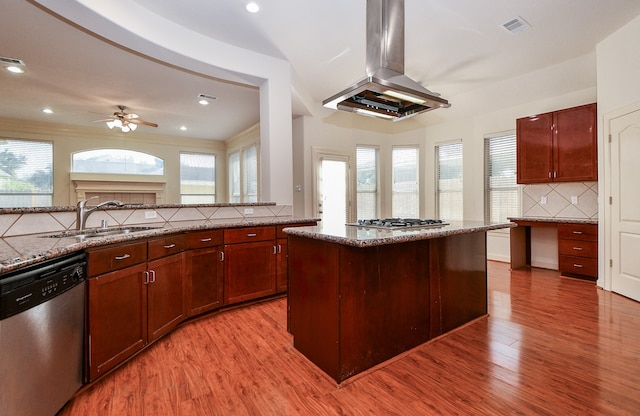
(550,346)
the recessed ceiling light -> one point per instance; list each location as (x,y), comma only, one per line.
(183,128)
(15,69)
(205,99)
(203,102)
(253,7)
(47,111)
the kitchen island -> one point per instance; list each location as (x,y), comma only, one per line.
(359,296)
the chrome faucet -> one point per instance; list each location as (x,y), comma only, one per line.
(83,212)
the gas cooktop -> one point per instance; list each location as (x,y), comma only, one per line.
(399,223)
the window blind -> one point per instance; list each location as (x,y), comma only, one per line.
(197,178)
(405,199)
(501,189)
(250,174)
(234,178)
(26,175)
(449,181)
(367,195)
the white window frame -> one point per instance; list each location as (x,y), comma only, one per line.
(453,214)
(504,183)
(200,198)
(241,195)
(395,210)
(23,194)
(360,210)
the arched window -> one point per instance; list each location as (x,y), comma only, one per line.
(119,161)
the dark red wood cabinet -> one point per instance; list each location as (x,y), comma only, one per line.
(559,146)
(203,279)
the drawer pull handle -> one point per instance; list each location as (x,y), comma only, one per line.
(205,240)
(577,232)
(125,256)
(251,234)
(170,246)
(579,266)
(153,276)
(146,278)
(222,256)
(578,248)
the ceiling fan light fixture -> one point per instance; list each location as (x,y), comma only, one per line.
(117,122)
(132,126)
(125,129)
(111,124)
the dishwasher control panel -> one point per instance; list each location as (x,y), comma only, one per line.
(25,288)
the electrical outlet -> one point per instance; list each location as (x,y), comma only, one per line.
(543,200)
(574,200)
(150,214)
(248,211)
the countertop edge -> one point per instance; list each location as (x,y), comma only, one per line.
(58,247)
(555,220)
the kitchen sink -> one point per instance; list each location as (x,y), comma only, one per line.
(100,232)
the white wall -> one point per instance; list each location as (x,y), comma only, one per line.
(618,63)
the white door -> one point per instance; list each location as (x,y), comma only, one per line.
(332,190)
(625,204)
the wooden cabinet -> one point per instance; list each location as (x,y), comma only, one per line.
(559,146)
(249,263)
(203,279)
(282,280)
(578,250)
(137,303)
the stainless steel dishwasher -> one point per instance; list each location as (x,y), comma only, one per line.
(41,336)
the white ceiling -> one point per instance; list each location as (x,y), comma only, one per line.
(451,47)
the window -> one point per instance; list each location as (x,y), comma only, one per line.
(243,175)
(120,161)
(501,189)
(449,181)
(367,182)
(26,173)
(197,178)
(405,198)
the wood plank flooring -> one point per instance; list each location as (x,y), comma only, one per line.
(550,346)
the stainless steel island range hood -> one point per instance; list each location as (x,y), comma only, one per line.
(386,92)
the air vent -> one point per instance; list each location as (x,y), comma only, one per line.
(11,61)
(516,25)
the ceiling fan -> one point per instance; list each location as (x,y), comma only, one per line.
(125,121)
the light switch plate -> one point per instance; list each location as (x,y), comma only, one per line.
(248,211)
(150,214)
(543,200)
(574,200)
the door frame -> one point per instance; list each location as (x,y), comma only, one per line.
(317,154)
(605,254)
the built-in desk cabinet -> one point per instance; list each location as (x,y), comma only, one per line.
(577,247)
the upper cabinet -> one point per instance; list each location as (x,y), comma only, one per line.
(558,147)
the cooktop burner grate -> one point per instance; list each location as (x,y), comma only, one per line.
(400,223)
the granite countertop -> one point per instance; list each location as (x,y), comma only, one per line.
(359,236)
(23,250)
(556,220)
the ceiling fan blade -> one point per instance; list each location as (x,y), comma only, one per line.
(104,119)
(146,123)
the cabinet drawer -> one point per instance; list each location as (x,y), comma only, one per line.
(202,239)
(281,234)
(248,235)
(578,248)
(112,258)
(165,246)
(579,265)
(585,232)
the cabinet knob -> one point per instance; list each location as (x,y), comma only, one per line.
(577,232)
(579,266)
(205,240)
(578,248)
(251,234)
(123,257)
(170,246)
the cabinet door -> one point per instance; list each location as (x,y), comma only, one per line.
(534,141)
(281,265)
(576,157)
(117,322)
(164,288)
(250,271)
(203,280)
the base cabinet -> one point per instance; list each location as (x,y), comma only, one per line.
(250,269)
(203,272)
(132,307)
(578,250)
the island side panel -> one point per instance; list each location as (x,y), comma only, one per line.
(384,303)
(460,261)
(313,301)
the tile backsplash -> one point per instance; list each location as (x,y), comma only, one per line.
(563,200)
(42,222)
